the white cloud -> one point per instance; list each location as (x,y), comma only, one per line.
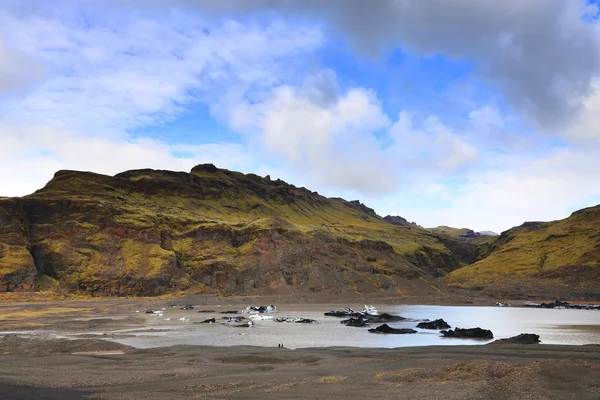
(539,54)
(297,121)
(343,140)
(105,80)
(25,168)
(328,136)
(586,127)
(542,188)
(17,70)
(434,147)
(486,117)
(144,72)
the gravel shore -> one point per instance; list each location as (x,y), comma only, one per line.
(44,367)
(94,369)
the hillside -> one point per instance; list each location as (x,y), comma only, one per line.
(214,231)
(558,255)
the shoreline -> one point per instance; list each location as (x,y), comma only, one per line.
(95,367)
(495,371)
(463,299)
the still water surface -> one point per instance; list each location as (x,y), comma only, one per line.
(553,325)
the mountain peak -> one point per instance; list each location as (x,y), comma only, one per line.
(210,168)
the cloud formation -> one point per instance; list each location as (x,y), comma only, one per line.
(84,91)
(31,153)
(105,81)
(539,54)
(17,70)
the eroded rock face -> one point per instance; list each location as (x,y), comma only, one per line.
(437,324)
(472,333)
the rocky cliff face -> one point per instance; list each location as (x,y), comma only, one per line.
(148,232)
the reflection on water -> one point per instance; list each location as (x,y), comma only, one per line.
(554,326)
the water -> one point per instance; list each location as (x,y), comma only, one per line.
(554,326)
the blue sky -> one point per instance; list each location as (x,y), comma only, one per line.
(446,112)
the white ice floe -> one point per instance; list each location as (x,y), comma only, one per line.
(260,309)
(370,310)
(260,317)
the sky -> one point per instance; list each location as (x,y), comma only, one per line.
(447,112)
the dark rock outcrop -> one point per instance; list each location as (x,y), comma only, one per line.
(207,321)
(437,324)
(383,317)
(294,320)
(555,304)
(523,338)
(304,321)
(470,333)
(346,312)
(562,304)
(399,221)
(385,328)
(356,322)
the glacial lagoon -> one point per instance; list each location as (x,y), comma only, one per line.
(555,326)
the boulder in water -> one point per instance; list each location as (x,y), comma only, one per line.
(356,322)
(383,317)
(385,328)
(437,324)
(523,338)
(471,333)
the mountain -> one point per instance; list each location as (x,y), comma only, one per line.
(213,231)
(487,233)
(551,257)
(397,220)
(460,233)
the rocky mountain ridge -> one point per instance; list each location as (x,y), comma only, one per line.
(219,232)
(213,231)
(558,257)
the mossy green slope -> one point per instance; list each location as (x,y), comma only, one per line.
(149,232)
(563,253)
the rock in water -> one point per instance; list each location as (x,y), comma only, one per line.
(357,322)
(471,333)
(383,317)
(437,324)
(385,328)
(523,338)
